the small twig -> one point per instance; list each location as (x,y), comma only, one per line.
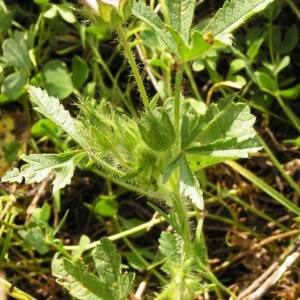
(151,222)
(266,280)
(142,287)
(259,281)
(3,295)
(40,192)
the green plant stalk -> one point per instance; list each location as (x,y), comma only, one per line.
(15,293)
(134,68)
(293,118)
(210,276)
(294,8)
(283,173)
(192,82)
(290,114)
(144,262)
(177,94)
(9,233)
(12,226)
(121,235)
(100,60)
(141,259)
(265,187)
(229,194)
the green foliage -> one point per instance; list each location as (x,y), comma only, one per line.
(157,130)
(159,151)
(218,31)
(232,15)
(16,55)
(41,165)
(51,108)
(53,70)
(110,282)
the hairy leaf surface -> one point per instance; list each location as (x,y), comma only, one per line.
(232,15)
(53,110)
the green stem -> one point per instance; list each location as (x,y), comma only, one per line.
(178,80)
(117,236)
(14,291)
(97,55)
(279,167)
(139,256)
(134,68)
(294,8)
(290,114)
(12,226)
(188,72)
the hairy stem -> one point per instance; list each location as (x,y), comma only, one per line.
(178,80)
(134,68)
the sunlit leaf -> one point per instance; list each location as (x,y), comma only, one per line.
(232,15)
(39,166)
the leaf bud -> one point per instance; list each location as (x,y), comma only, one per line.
(157,130)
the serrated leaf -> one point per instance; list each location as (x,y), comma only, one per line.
(107,260)
(52,109)
(108,265)
(195,125)
(168,245)
(224,132)
(79,281)
(232,15)
(221,121)
(125,285)
(229,148)
(189,186)
(181,13)
(39,166)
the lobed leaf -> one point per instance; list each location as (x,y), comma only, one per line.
(82,284)
(79,281)
(108,265)
(221,121)
(39,166)
(168,245)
